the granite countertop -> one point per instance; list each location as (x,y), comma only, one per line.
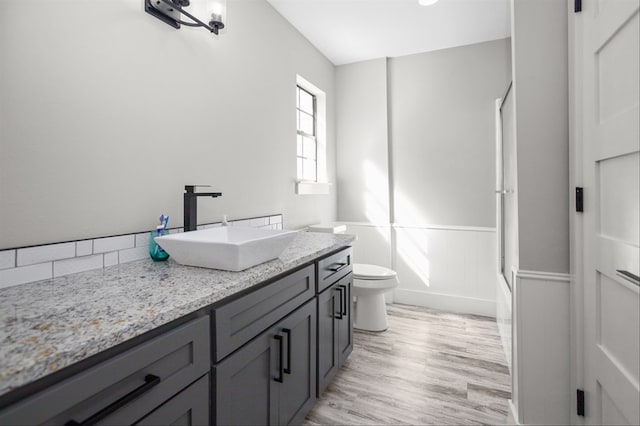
(51,324)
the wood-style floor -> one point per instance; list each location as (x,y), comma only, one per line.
(429,367)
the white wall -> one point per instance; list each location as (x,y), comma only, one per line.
(361,107)
(106,113)
(540,62)
(442,109)
(439,143)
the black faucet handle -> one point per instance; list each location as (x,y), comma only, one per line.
(192,188)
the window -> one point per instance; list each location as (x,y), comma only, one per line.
(307,144)
(311,139)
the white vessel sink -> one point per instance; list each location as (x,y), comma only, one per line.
(231,248)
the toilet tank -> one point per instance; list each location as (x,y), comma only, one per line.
(329,227)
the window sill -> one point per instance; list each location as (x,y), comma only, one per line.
(312,188)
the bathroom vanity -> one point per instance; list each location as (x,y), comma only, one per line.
(159,343)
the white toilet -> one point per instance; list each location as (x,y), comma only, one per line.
(370,282)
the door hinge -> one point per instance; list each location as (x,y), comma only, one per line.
(579,199)
(577,6)
(580,402)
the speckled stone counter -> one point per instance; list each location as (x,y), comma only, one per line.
(51,324)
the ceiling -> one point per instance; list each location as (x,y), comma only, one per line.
(347,31)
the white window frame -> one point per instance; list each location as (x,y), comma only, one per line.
(321,185)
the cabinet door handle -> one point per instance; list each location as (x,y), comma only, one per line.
(149,381)
(280,378)
(287,370)
(343,307)
(338,266)
(341,290)
(633,278)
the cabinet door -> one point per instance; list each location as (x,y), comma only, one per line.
(297,392)
(345,324)
(327,337)
(244,387)
(189,407)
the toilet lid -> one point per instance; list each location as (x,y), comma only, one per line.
(364,271)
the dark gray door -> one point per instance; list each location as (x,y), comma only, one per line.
(298,388)
(327,337)
(345,324)
(244,384)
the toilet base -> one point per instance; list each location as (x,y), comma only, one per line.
(371,312)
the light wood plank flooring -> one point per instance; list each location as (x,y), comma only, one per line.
(429,367)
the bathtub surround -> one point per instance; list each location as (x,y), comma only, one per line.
(29,264)
(106,117)
(416,170)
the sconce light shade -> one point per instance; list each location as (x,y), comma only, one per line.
(172,12)
(217,12)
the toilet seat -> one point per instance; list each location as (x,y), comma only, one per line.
(364,271)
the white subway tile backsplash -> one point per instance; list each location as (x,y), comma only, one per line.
(7,259)
(84,248)
(258,222)
(275,219)
(130,255)
(142,240)
(25,274)
(48,253)
(241,222)
(103,245)
(77,264)
(110,259)
(56,260)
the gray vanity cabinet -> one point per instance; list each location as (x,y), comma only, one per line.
(335,329)
(259,357)
(272,379)
(127,387)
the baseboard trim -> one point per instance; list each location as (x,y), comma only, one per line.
(446,302)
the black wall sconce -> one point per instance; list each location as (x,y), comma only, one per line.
(171,12)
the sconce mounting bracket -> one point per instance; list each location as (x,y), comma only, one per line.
(163,11)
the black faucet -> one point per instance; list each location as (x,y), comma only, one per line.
(191,205)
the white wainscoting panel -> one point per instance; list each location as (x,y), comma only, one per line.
(541,353)
(504,317)
(448,268)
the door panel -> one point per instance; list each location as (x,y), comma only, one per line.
(298,388)
(345,329)
(247,375)
(611,116)
(327,337)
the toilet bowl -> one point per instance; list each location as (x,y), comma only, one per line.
(370,283)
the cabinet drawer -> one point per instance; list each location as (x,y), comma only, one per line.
(239,321)
(189,407)
(141,378)
(334,267)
